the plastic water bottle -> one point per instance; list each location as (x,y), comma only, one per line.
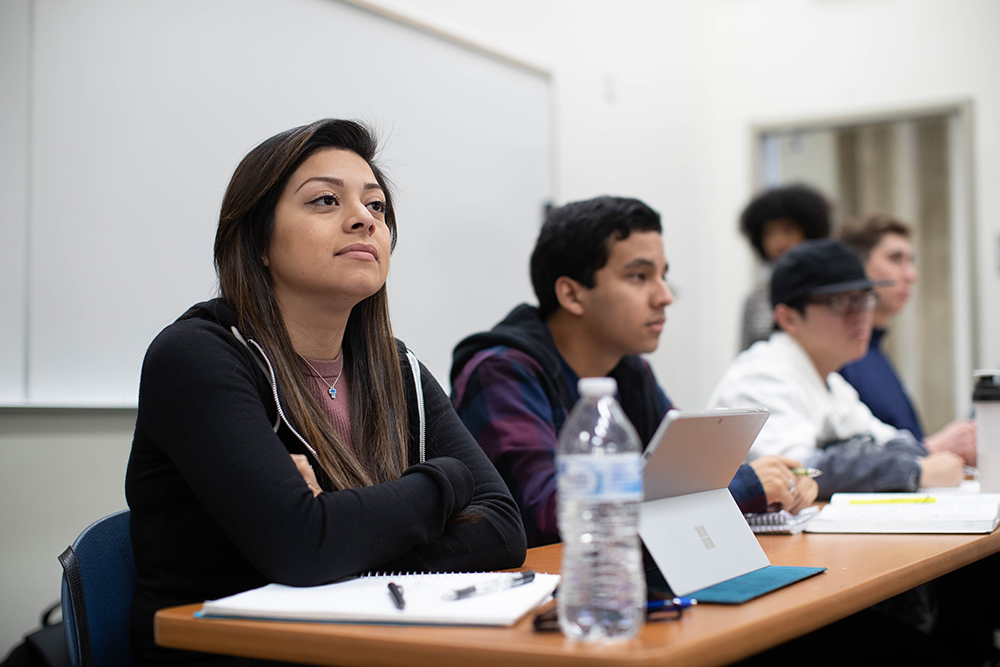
(602,596)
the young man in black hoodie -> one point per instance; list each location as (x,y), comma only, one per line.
(599,272)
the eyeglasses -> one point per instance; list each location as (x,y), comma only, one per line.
(842,304)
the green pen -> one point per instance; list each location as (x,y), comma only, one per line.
(806,472)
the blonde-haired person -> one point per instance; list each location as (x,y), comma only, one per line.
(887,252)
(281,433)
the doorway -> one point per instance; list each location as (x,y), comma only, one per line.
(915,166)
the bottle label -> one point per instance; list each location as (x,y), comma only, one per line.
(612,477)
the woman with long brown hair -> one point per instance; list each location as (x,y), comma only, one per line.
(283,434)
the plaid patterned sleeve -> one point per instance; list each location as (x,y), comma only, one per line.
(501,401)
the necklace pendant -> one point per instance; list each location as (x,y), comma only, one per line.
(333,392)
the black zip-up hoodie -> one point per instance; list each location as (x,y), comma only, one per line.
(218,507)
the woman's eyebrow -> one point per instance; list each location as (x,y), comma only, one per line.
(336,181)
(326,179)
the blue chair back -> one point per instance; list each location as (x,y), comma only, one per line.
(97,593)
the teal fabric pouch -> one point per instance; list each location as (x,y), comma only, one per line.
(754,584)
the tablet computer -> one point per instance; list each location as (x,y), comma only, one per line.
(698,451)
(689,521)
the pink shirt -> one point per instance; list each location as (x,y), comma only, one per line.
(320,375)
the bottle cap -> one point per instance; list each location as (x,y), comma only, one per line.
(590,387)
(987,385)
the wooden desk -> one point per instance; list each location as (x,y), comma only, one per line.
(862,570)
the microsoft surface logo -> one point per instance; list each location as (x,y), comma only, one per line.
(705,538)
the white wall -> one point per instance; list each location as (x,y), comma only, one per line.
(629,96)
(655,100)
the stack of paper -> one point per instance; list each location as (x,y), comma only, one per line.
(367,600)
(908,513)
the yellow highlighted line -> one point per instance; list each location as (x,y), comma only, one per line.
(895,501)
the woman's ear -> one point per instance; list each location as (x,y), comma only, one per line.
(571,295)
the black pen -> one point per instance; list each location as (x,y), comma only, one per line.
(396,592)
(493,585)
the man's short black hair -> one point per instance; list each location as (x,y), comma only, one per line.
(799,203)
(574,242)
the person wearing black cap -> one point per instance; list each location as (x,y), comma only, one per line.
(823,304)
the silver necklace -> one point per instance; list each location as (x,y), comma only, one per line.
(333,387)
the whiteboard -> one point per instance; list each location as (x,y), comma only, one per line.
(140,111)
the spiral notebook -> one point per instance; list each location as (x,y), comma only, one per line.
(908,513)
(367,600)
(780,523)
